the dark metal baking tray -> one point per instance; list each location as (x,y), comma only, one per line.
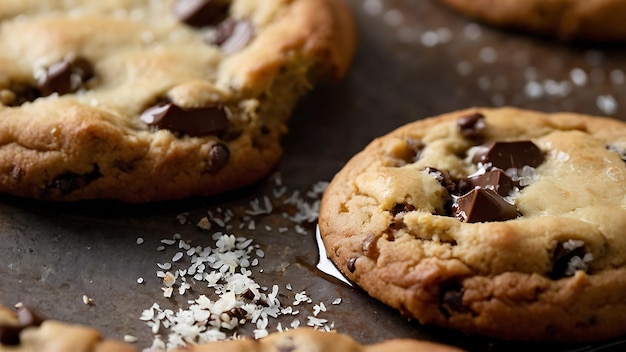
(415,59)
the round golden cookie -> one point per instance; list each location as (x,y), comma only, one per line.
(142,100)
(24,330)
(596,20)
(500,222)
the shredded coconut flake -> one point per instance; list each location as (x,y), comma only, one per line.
(229,296)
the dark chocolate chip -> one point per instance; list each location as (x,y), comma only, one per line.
(495,179)
(248,294)
(82,69)
(194,122)
(237,312)
(218,157)
(562,256)
(233,35)
(23,94)
(351,264)
(64,77)
(370,246)
(69,182)
(451,300)
(200,13)
(482,205)
(402,208)
(471,126)
(56,79)
(506,155)
(443,177)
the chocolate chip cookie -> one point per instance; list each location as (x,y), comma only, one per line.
(24,330)
(596,20)
(500,222)
(141,100)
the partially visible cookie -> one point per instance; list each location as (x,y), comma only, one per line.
(500,222)
(309,340)
(142,100)
(24,331)
(596,20)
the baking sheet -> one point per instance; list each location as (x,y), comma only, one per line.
(415,59)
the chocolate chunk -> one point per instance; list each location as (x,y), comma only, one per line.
(82,69)
(451,299)
(233,35)
(482,205)
(194,122)
(443,177)
(19,94)
(69,182)
(56,79)
(351,264)
(64,77)
(495,180)
(472,126)
(200,13)
(402,208)
(237,312)
(218,156)
(506,155)
(562,258)
(248,294)
(370,246)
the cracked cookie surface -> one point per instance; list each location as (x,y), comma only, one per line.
(546,262)
(142,100)
(596,20)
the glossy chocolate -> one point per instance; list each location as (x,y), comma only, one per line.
(483,205)
(494,179)
(200,13)
(506,155)
(193,122)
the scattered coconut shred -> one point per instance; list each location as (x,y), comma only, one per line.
(225,269)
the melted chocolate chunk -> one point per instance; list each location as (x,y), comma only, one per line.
(370,246)
(69,182)
(482,205)
(562,256)
(194,122)
(233,35)
(200,13)
(218,157)
(472,126)
(64,77)
(402,208)
(495,180)
(351,264)
(506,155)
(10,334)
(20,94)
(443,177)
(451,300)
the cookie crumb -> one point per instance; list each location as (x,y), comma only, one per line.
(87,300)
